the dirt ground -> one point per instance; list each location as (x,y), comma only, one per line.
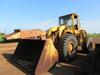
(6,68)
(84,64)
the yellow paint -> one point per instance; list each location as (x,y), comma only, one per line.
(62,29)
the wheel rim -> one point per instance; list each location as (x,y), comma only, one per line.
(70,48)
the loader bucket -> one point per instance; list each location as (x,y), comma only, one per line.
(36,56)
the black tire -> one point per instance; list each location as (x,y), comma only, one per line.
(87,47)
(65,40)
(84,48)
(90,45)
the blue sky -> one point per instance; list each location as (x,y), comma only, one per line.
(43,14)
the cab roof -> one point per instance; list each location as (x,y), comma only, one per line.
(69,15)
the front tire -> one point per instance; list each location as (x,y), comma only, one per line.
(69,45)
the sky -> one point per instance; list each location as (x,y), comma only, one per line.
(43,14)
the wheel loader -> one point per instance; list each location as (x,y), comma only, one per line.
(39,56)
(68,36)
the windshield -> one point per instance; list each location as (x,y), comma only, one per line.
(67,22)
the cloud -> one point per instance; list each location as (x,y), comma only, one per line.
(96,22)
(39,23)
(92,26)
(44,25)
(46,22)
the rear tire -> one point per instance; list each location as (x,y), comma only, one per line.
(87,47)
(84,48)
(69,44)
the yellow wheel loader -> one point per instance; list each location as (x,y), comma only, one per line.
(38,56)
(68,36)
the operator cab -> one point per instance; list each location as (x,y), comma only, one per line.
(70,20)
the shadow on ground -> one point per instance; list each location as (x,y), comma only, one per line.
(10,41)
